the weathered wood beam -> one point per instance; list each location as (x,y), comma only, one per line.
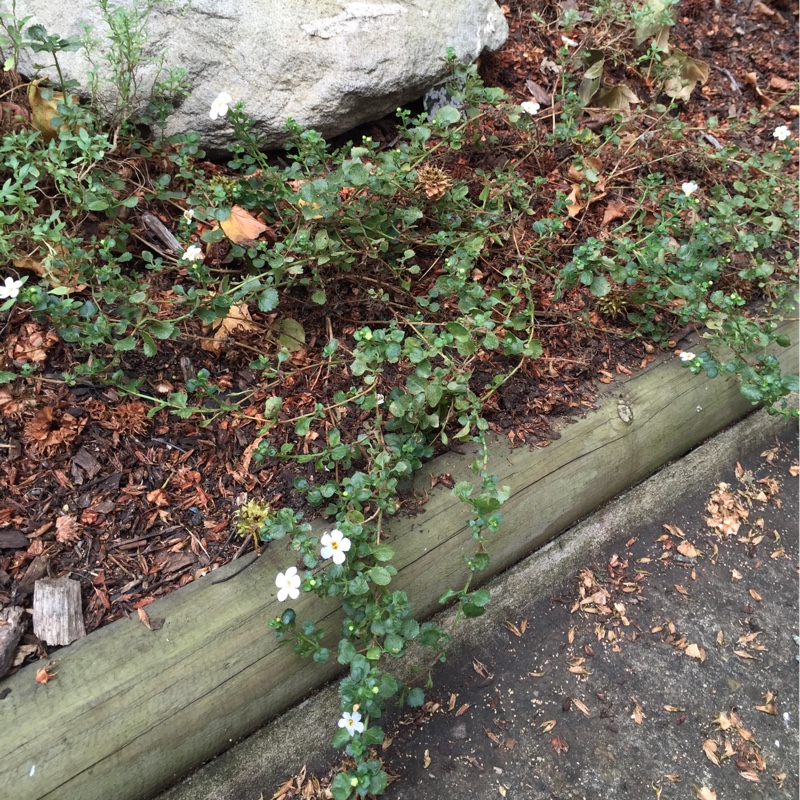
(132,710)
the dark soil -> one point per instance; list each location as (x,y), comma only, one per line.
(135,507)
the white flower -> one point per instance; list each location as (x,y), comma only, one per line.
(334,545)
(569,42)
(529,107)
(351,722)
(379,399)
(193,253)
(219,108)
(288,584)
(10,288)
(687,356)
(690,187)
(782,133)
(188,215)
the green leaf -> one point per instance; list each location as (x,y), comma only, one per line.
(449,595)
(380,576)
(148,345)
(355,172)
(268,300)
(600,286)
(458,331)
(293,335)
(447,115)
(303,426)
(393,644)
(340,739)
(8,377)
(130,202)
(347,652)
(160,329)
(416,697)
(752,393)
(373,735)
(272,405)
(382,552)
(128,343)
(480,598)
(471,611)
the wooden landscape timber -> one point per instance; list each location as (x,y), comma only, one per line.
(131,710)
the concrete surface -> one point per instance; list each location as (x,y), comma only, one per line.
(605,660)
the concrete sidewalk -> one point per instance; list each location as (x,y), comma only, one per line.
(648,652)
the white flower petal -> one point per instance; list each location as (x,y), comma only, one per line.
(782,133)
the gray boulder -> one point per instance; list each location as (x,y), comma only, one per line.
(328,65)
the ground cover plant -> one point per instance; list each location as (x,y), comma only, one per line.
(284,336)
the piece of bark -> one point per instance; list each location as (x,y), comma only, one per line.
(36,569)
(57,614)
(11,539)
(11,628)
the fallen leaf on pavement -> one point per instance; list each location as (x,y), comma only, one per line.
(559,745)
(681,589)
(743,654)
(695,651)
(638,714)
(688,549)
(704,793)
(710,748)
(462,709)
(580,706)
(426,759)
(769,706)
(755,595)
(548,725)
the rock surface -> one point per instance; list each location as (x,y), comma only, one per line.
(328,65)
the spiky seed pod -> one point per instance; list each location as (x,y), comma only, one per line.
(613,304)
(434,182)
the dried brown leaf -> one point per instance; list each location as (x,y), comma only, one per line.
(695,651)
(704,793)
(241,226)
(638,713)
(688,549)
(575,202)
(580,706)
(559,745)
(710,748)
(616,209)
